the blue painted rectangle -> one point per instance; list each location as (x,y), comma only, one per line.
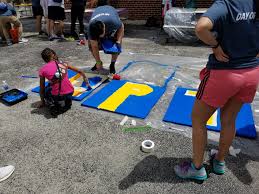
(180,110)
(136,106)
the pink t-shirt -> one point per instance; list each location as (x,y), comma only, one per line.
(48,71)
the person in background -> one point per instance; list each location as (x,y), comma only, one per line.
(9,20)
(44,5)
(37,13)
(229,80)
(56,12)
(77,12)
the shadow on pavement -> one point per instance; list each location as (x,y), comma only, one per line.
(153,169)
(41,111)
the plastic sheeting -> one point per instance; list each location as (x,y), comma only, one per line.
(187,75)
(179,23)
(145,71)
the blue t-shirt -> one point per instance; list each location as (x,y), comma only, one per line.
(109,16)
(35,3)
(9,11)
(235,25)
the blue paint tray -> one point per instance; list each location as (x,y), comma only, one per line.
(110,47)
(13,96)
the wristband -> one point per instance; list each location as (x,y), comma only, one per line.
(99,62)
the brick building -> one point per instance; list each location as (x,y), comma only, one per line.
(142,9)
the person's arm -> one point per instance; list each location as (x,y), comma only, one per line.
(42,91)
(95,51)
(80,72)
(203,30)
(120,34)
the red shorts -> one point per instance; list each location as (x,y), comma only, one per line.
(218,86)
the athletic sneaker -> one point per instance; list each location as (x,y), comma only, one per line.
(23,40)
(5,172)
(101,71)
(62,37)
(187,170)
(217,166)
(9,42)
(52,37)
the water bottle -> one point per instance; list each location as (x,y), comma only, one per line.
(82,39)
(5,85)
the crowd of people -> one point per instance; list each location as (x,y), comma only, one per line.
(229,80)
(53,13)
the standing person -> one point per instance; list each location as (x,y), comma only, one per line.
(229,80)
(56,12)
(104,24)
(6,172)
(44,5)
(77,12)
(37,13)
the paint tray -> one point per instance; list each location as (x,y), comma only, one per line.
(13,96)
(110,47)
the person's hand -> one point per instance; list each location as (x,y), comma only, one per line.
(85,78)
(86,81)
(220,55)
(257,55)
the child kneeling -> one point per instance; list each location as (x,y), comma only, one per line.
(57,95)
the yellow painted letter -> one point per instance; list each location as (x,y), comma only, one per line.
(213,119)
(128,89)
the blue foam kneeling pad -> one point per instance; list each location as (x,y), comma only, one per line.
(180,110)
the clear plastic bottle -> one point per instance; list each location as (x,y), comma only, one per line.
(5,86)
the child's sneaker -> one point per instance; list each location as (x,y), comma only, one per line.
(217,166)
(187,170)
